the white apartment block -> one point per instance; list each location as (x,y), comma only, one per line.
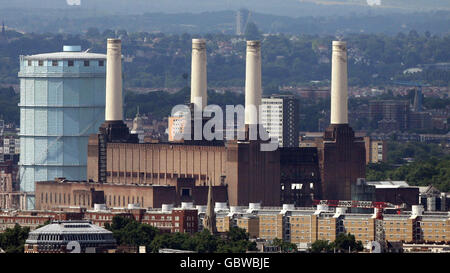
(280,119)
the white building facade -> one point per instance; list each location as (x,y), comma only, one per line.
(280,119)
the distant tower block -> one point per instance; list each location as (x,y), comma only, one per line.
(62,102)
(339,88)
(253,89)
(242,18)
(198,72)
(114,108)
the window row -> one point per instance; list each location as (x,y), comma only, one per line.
(64,63)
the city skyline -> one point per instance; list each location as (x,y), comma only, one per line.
(237,136)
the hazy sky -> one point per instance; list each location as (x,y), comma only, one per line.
(292,8)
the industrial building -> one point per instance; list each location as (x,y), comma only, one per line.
(396,192)
(62,102)
(119,168)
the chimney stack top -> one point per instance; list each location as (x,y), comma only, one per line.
(114,41)
(198,44)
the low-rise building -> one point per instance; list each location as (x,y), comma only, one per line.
(70,236)
(303,226)
(33,219)
(376,150)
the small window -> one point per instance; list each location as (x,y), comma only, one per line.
(185,192)
(70,62)
(86,63)
(54,63)
(30,63)
(41,63)
(101,63)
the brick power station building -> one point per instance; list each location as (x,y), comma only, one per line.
(121,171)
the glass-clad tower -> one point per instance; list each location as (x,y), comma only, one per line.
(62,102)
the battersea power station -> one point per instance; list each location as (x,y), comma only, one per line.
(122,170)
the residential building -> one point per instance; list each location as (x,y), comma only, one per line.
(280,115)
(376,150)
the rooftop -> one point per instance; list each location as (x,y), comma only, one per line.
(70,227)
(69,52)
(389,184)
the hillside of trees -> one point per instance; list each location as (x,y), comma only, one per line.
(156,60)
(431,165)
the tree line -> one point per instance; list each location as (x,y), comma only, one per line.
(430,166)
(129,232)
(160,60)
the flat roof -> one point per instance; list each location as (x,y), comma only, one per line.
(66,56)
(389,184)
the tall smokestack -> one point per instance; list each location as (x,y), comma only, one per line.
(339,88)
(114,103)
(253,90)
(198,72)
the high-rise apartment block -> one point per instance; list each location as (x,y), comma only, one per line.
(242,17)
(280,119)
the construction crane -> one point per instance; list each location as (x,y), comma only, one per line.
(360,204)
(418,93)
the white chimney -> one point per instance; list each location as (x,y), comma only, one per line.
(253,89)
(114,104)
(339,88)
(198,72)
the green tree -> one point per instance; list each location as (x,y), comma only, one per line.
(345,242)
(237,241)
(285,246)
(128,231)
(204,242)
(321,246)
(12,240)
